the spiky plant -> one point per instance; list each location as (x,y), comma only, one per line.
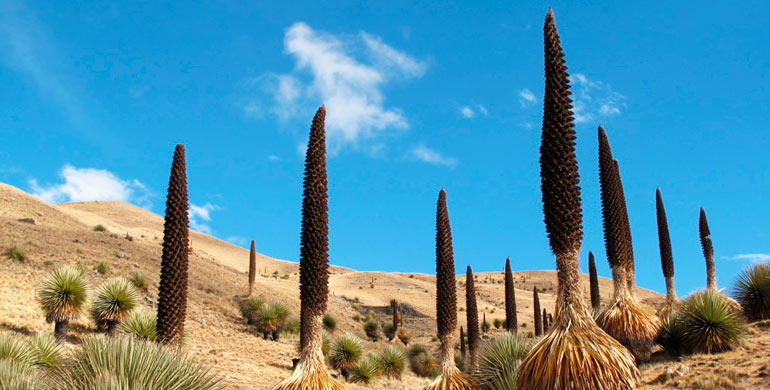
(596,300)
(404,337)
(451,378)
(536,309)
(311,373)
(63,296)
(22,376)
(172,294)
(511,323)
(345,353)
(389,330)
(269,318)
(666,255)
(670,336)
(252,267)
(250,307)
(472,319)
(422,362)
(463,350)
(139,324)
(329,322)
(371,326)
(124,363)
(499,362)
(366,370)
(15,349)
(392,361)
(139,281)
(485,326)
(575,354)
(45,351)
(625,318)
(395,308)
(114,300)
(752,291)
(708,250)
(710,323)
(460,361)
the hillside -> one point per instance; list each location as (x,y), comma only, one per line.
(217,336)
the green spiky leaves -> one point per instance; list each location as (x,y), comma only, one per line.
(63,294)
(114,300)
(172,294)
(710,323)
(752,291)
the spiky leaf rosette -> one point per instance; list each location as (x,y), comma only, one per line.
(710,322)
(617,230)
(752,291)
(472,318)
(63,294)
(511,323)
(499,362)
(252,267)
(708,250)
(536,308)
(596,301)
(446,303)
(114,300)
(575,354)
(172,293)
(311,373)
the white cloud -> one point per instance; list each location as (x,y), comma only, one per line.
(273,158)
(198,213)
(89,184)
(594,99)
(238,240)
(753,257)
(431,156)
(346,73)
(469,112)
(526,97)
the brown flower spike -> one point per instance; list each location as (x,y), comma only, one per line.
(172,293)
(510,299)
(708,250)
(575,354)
(664,243)
(252,267)
(311,373)
(538,319)
(594,282)
(472,318)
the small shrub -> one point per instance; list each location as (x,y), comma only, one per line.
(710,323)
(392,361)
(114,300)
(292,326)
(499,362)
(141,325)
(670,337)
(370,328)
(17,253)
(357,318)
(389,330)
(366,370)
(498,323)
(752,291)
(250,307)
(100,228)
(330,324)
(404,337)
(63,296)
(102,268)
(139,281)
(421,362)
(345,353)
(270,319)
(109,363)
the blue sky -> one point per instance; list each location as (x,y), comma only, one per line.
(449,95)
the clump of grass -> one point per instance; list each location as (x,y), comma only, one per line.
(102,268)
(250,307)
(21,376)
(101,363)
(330,323)
(366,370)
(100,228)
(404,337)
(139,281)
(141,325)
(421,362)
(17,253)
(345,353)
(670,337)
(389,329)
(499,362)
(498,323)
(45,351)
(14,349)
(710,323)
(752,291)
(370,328)
(270,319)
(392,361)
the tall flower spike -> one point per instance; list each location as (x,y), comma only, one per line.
(664,243)
(708,250)
(536,309)
(252,267)
(575,354)
(472,318)
(172,293)
(310,373)
(446,304)
(510,299)
(545,320)
(594,282)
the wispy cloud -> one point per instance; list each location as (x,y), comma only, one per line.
(238,240)
(88,184)
(345,72)
(527,98)
(753,257)
(200,216)
(428,155)
(594,99)
(469,112)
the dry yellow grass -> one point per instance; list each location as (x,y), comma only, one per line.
(217,336)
